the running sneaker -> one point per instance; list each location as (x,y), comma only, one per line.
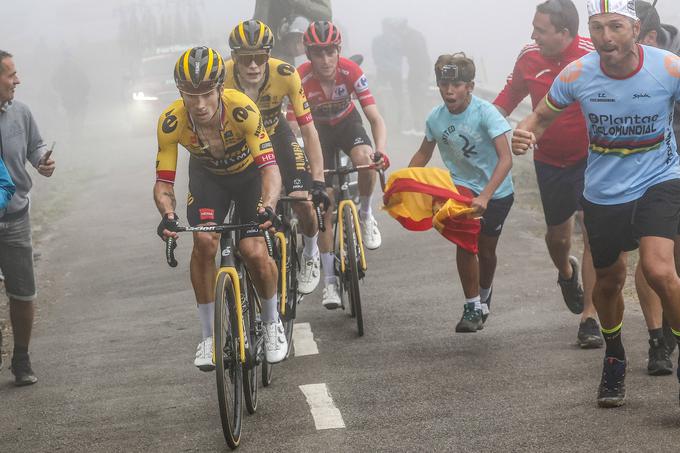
(22,371)
(331,297)
(659,363)
(572,291)
(471,320)
(204,355)
(309,275)
(589,335)
(275,343)
(486,307)
(370,232)
(612,391)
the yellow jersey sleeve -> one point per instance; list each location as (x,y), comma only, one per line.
(295,93)
(248,121)
(168,132)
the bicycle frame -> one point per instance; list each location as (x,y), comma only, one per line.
(228,265)
(283,273)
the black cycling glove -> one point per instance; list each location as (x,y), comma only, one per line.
(167,224)
(319,195)
(269,215)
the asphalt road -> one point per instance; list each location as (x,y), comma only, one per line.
(117,329)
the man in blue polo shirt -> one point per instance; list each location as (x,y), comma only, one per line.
(632,180)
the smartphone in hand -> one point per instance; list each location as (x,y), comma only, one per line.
(47,155)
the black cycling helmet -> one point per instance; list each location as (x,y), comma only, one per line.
(250,35)
(199,70)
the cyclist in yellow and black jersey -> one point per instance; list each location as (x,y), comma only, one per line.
(231,160)
(269,82)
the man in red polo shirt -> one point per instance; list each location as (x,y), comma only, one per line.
(560,156)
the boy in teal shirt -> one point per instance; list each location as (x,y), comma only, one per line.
(472,138)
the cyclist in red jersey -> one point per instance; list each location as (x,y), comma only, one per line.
(560,157)
(329,81)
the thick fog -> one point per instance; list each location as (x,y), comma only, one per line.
(84,52)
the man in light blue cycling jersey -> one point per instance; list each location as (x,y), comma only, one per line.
(632,180)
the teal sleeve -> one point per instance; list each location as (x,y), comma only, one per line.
(6,186)
(496,124)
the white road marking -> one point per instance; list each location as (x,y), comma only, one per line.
(303,340)
(326,415)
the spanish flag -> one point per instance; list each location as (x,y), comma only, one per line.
(420,198)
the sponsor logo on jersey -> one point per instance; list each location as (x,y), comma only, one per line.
(169,122)
(240,114)
(361,84)
(265,145)
(285,69)
(206,214)
(602,97)
(340,92)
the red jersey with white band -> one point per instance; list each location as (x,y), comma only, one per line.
(349,79)
(565,142)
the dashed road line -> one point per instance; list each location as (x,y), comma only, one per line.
(303,340)
(326,415)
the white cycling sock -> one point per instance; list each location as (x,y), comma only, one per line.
(270,309)
(484,294)
(328,267)
(206,313)
(365,209)
(311,248)
(474,300)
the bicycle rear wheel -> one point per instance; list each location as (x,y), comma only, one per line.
(352,267)
(253,331)
(292,267)
(227,365)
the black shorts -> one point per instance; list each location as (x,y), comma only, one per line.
(344,136)
(210,196)
(497,211)
(613,229)
(561,190)
(291,158)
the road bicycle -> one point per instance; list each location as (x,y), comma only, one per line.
(238,342)
(350,255)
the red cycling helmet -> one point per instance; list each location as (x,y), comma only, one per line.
(322,33)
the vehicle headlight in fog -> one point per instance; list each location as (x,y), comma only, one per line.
(140,96)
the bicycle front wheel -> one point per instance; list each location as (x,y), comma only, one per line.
(352,267)
(228,370)
(253,331)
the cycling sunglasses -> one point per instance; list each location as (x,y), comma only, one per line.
(246,59)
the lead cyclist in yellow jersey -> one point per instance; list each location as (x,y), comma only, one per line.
(268,82)
(231,160)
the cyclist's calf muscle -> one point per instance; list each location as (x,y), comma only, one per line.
(202,266)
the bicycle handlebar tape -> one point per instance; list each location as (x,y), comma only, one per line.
(268,241)
(170,246)
(319,218)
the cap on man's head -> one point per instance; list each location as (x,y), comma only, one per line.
(623,7)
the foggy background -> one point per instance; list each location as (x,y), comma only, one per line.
(79,52)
